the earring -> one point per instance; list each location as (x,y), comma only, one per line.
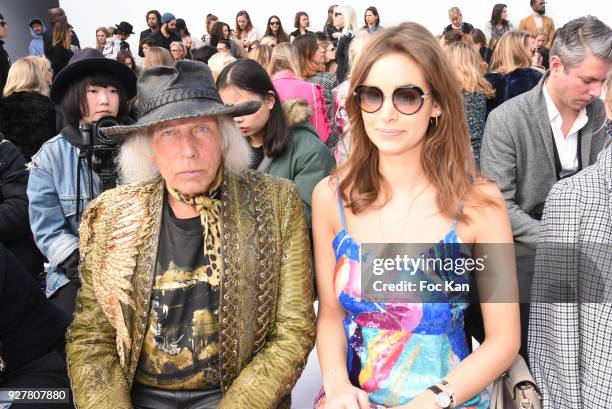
(434,121)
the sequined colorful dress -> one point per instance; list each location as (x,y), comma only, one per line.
(397,350)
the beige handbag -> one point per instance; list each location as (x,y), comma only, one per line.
(516,389)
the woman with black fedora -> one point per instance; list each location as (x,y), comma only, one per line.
(89,88)
(118,42)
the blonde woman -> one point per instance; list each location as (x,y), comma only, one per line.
(262,54)
(26,113)
(102,34)
(348,33)
(61,51)
(465,62)
(157,56)
(285,73)
(511,72)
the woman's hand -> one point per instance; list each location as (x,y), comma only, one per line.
(424,400)
(346,396)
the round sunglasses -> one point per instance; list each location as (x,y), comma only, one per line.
(408,99)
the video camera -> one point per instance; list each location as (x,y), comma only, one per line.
(100,151)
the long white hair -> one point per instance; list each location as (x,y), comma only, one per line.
(135,157)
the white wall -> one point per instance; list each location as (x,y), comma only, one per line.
(86,16)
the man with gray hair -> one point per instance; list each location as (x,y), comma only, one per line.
(547,134)
(196,276)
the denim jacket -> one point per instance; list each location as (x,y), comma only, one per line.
(52,192)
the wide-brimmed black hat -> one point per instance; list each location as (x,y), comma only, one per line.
(90,61)
(125,27)
(186,90)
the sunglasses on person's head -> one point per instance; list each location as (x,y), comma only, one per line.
(408,99)
(274,23)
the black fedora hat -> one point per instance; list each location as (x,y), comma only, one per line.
(125,27)
(90,61)
(186,90)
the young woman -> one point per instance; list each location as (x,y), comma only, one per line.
(480,45)
(102,34)
(371,20)
(499,24)
(347,13)
(211,19)
(409,179)
(301,23)
(333,32)
(312,68)
(245,33)
(465,62)
(61,50)
(89,88)
(330,55)
(26,113)
(511,70)
(274,28)
(126,57)
(221,31)
(285,73)
(284,146)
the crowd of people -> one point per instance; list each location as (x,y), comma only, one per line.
(167,229)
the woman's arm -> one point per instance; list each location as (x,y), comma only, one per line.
(331,340)
(501,319)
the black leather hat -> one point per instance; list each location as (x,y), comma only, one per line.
(125,27)
(186,90)
(90,61)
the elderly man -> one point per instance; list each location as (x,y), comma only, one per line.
(196,283)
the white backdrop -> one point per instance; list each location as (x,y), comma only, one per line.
(86,16)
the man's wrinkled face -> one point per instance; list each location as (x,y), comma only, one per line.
(37,28)
(187,153)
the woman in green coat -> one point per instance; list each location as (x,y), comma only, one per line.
(284,144)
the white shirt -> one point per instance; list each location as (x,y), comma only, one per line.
(567,146)
(538,20)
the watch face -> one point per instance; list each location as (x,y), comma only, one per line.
(443,400)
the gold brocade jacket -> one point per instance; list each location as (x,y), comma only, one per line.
(266,317)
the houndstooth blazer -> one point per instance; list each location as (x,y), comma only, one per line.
(570,343)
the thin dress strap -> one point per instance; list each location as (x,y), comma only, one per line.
(341,206)
(454,226)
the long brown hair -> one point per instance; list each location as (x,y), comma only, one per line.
(247,29)
(307,46)
(446,156)
(60,35)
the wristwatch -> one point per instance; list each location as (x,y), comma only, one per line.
(444,400)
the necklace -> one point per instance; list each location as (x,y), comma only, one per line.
(401,222)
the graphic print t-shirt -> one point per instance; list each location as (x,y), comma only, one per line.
(181,347)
